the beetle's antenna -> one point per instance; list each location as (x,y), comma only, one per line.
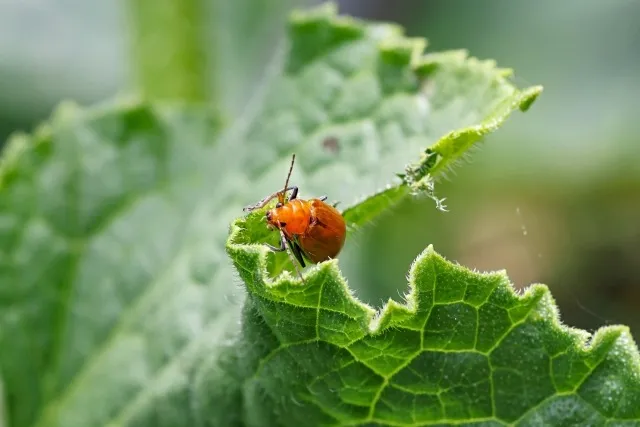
(293,261)
(280,194)
(286,183)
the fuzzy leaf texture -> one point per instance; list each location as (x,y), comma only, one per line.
(120,307)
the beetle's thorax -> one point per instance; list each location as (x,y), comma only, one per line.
(293,217)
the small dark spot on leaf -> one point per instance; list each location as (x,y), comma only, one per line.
(331,144)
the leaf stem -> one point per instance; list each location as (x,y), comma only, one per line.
(168,48)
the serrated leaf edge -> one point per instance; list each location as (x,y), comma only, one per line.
(423,64)
(385,317)
(393,313)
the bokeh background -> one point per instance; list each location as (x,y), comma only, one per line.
(553,197)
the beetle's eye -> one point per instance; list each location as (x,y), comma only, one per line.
(278,205)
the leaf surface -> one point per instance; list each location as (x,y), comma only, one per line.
(118,304)
(463,349)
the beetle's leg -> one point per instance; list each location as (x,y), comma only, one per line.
(283,247)
(270,197)
(294,193)
(295,249)
(261,203)
(283,244)
(291,258)
(324,199)
(296,267)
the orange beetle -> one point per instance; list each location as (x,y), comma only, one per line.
(311,228)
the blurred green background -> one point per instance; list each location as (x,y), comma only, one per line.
(553,197)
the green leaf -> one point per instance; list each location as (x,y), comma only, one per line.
(119,306)
(109,249)
(462,349)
